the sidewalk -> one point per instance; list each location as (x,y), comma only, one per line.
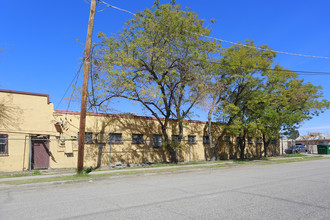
(71,172)
(111,170)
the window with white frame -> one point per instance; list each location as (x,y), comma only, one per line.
(191,139)
(259,140)
(116,138)
(88,137)
(157,140)
(249,140)
(3,143)
(137,138)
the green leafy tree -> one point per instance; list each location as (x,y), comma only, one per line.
(155,61)
(293,134)
(286,102)
(244,66)
(214,87)
(262,100)
(192,92)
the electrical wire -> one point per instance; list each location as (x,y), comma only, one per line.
(227,41)
(299,72)
(78,73)
(111,6)
(259,48)
(75,76)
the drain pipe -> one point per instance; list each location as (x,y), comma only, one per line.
(110,155)
(145,151)
(30,153)
(189,152)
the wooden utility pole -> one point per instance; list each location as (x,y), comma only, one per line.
(81,141)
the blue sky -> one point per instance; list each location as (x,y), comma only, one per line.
(41,54)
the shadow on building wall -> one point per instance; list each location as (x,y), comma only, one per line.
(10,116)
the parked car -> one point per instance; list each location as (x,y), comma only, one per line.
(301,148)
(300,144)
(296,149)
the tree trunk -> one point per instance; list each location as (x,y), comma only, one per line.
(266,143)
(166,140)
(242,146)
(216,147)
(209,117)
(175,156)
(180,123)
(212,152)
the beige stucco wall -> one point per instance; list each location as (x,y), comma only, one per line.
(23,115)
(30,114)
(136,153)
(125,152)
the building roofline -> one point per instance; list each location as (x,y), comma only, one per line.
(326,139)
(120,116)
(26,93)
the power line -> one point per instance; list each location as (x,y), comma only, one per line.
(263,49)
(82,63)
(226,41)
(75,76)
(111,6)
(299,72)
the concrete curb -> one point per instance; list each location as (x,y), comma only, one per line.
(114,170)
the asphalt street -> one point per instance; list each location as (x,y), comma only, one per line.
(299,190)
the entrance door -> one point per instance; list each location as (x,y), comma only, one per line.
(40,152)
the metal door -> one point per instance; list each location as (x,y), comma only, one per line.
(40,152)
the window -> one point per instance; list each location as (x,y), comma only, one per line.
(115,138)
(274,141)
(157,140)
(88,137)
(175,138)
(137,138)
(249,140)
(226,139)
(191,139)
(206,139)
(258,140)
(3,143)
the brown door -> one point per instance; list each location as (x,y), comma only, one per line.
(40,152)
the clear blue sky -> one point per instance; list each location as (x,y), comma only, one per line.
(40,53)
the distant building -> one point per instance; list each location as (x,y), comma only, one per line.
(311,140)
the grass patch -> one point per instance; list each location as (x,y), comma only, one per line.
(187,163)
(162,165)
(14,175)
(288,160)
(295,155)
(36,172)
